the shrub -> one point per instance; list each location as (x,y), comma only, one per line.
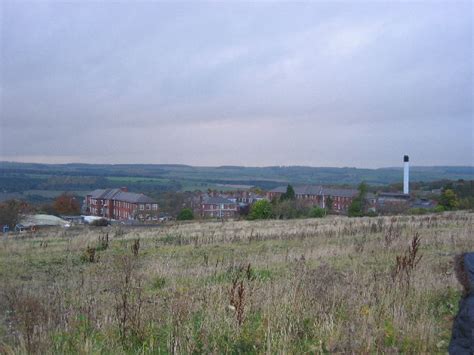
(355,209)
(439,208)
(261,210)
(289,209)
(449,199)
(102,222)
(317,212)
(186,214)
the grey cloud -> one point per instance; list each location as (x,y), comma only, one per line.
(207,73)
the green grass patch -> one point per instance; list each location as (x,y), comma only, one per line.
(157,283)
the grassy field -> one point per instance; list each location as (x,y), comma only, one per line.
(315,286)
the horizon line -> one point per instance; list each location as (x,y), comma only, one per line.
(246,166)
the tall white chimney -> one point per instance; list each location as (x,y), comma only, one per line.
(406,174)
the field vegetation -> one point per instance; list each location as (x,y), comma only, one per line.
(336,284)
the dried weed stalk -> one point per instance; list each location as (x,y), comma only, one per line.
(393,233)
(103,242)
(28,316)
(136,247)
(89,255)
(128,297)
(406,263)
(238,291)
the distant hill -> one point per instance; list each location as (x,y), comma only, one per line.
(259,176)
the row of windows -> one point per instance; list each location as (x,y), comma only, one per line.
(123,204)
(220,207)
(122,214)
(220,214)
(337,198)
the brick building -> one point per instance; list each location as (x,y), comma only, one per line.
(392,202)
(316,195)
(243,197)
(120,204)
(218,207)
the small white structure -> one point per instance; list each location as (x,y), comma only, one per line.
(406,175)
(43,220)
(90,219)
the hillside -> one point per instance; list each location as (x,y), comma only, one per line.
(24,176)
(300,286)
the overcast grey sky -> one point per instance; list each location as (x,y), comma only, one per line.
(211,83)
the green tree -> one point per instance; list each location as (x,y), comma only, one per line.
(355,208)
(363,188)
(10,213)
(466,203)
(358,207)
(449,199)
(289,194)
(261,210)
(186,214)
(329,203)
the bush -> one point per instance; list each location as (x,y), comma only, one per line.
(439,208)
(355,209)
(102,222)
(261,210)
(449,199)
(371,214)
(317,212)
(289,209)
(185,215)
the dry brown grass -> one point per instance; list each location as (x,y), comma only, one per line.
(293,286)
